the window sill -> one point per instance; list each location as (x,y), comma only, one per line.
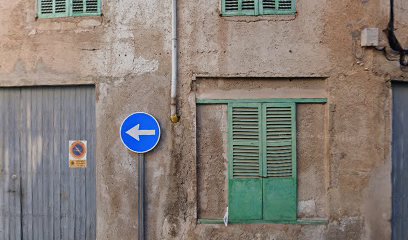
(70,18)
(302,221)
(271,18)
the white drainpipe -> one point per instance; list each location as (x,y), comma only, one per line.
(174,65)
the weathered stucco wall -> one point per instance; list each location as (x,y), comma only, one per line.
(126,54)
(322,41)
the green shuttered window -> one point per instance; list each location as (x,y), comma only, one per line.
(258,7)
(67,8)
(262,161)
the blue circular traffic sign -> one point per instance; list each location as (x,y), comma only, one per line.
(140,132)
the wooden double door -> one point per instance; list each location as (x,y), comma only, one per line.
(41,197)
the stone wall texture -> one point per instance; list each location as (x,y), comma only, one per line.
(344,145)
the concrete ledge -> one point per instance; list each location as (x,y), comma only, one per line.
(302,221)
(271,100)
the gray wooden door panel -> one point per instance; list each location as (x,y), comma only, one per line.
(56,202)
(10,166)
(90,177)
(58,165)
(2,173)
(400,162)
(27,168)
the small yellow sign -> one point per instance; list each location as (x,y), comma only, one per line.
(77,163)
(77,154)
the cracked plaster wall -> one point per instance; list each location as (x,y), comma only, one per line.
(126,54)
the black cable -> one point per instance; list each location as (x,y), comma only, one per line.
(392,39)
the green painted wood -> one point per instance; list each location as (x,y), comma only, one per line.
(257,7)
(264,142)
(262,161)
(245,140)
(304,221)
(270,100)
(279,183)
(277,7)
(294,148)
(52,8)
(68,8)
(239,7)
(279,198)
(86,7)
(245,199)
(245,184)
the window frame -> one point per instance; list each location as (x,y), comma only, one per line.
(69,11)
(296,101)
(258,11)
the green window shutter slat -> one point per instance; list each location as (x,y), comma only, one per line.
(285,5)
(245,184)
(52,8)
(239,7)
(245,140)
(60,6)
(92,6)
(258,7)
(65,8)
(277,7)
(46,6)
(86,7)
(262,161)
(78,6)
(278,120)
(280,181)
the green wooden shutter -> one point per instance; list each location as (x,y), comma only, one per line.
(245,165)
(52,8)
(86,7)
(65,8)
(279,171)
(239,7)
(269,7)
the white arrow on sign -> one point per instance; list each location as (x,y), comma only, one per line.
(135,132)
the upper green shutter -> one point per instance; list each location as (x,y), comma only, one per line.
(245,182)
(268,7)
(65,8)
(85,7)
(53,8)
(257,7)
(240,7)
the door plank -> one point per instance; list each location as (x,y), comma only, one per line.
(2,171)
(399,162)
(64,166)
(26,163)
(90,170)
(57,109)
(72,112)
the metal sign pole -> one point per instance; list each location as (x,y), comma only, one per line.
(141,197)
(140,133)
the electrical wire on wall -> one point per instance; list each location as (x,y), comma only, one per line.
(393,41)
